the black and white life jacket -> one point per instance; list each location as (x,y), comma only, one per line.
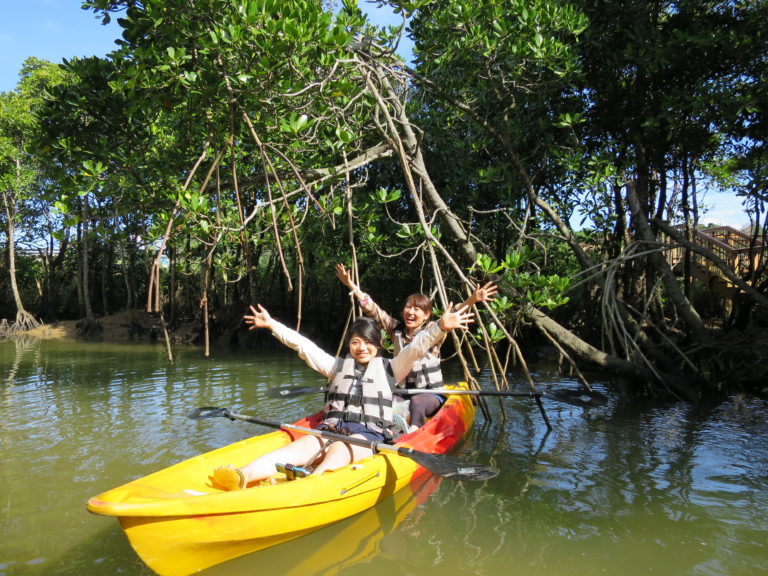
(425,372)
(366,397)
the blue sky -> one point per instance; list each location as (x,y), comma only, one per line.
(50,30)
(57,29)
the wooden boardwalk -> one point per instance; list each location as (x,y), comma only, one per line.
(731,246)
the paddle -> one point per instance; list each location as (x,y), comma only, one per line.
(585,399)
(440,464)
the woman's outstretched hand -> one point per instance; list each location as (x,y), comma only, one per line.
(452,319)
(486,292)
(345,276)
(259,318)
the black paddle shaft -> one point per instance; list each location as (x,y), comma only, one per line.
(582,398)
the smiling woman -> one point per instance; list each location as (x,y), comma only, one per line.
(359,401)
(417,311)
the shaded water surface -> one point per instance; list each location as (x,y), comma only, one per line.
(621,489)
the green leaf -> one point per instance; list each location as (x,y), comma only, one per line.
(345,136)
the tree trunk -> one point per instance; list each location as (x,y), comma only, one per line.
(24,320)
(10,214)
(635,372)
(79,275)
(126,265)
(660,265)
(85,262)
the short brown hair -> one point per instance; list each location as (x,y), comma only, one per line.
(419,301)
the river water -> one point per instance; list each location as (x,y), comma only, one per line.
(620,489)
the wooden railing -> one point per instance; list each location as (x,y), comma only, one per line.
(729,244)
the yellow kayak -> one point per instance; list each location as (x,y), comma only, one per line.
(179,522)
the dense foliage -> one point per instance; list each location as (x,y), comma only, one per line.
(233,151)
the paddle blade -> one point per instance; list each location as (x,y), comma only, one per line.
(451,467)
(288,391)
(208,412)
(582,398)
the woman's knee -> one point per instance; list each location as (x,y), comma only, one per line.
(423,406)
(337,454)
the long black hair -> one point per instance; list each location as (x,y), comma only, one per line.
(367,329)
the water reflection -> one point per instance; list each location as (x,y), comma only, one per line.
(624,488)
(332,549)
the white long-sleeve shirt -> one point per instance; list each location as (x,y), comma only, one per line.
(324,363)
